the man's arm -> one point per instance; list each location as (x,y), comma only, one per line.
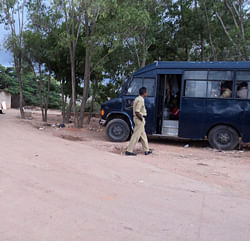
(139,116)
(137,108)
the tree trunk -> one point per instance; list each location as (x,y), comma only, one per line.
(68,112)
(145,48)
(47,98)
(71,25)
(63,101)
(86,87)
(20,86)
(87,68)
(144,56)
(40,89)
(92,101)
(187,52)
(15,21)
(202,47)
(73,94)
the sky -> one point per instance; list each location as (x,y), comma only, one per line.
(5,57)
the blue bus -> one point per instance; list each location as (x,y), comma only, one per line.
(192,100)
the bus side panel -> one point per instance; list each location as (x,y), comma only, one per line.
(223,111)
(246,122)
(150,104)
(192,117)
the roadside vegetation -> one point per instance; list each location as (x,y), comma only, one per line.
(76,54)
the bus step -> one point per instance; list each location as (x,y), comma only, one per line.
(169,131)
(171,123)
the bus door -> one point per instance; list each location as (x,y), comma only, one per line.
(168,101)
(193,104)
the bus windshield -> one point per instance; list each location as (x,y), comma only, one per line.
(137,83)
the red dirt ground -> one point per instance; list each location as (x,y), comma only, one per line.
(70,184)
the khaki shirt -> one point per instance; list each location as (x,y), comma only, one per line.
(139,106)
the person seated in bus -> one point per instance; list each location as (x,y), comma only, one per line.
(226,90)
(242,91)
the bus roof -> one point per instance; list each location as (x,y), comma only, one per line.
(185,65)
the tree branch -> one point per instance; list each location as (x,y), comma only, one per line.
(232,13)
(224,27)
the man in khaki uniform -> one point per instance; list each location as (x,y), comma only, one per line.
(139,113)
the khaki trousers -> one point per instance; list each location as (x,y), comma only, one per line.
(139,132)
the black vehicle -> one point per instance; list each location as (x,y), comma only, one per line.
(193,100)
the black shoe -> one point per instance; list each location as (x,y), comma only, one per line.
(127,153)
(148,153)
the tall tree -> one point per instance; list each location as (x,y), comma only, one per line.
(93,10)
(12,13)
(73,13)
(38,52)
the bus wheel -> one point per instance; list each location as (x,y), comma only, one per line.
(118,130)
(223,138)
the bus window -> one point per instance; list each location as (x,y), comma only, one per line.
(220,84)
(195,83)
(219,89)
(149,83)
(214,89)
(134,87)
(243,84)
(195,88)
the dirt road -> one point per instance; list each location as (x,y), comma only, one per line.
(70,185)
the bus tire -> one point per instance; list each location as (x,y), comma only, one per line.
(118,130)
(223,138)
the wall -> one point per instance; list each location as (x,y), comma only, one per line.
(5,96)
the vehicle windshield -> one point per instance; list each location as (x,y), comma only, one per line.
(125,85)
(138,82)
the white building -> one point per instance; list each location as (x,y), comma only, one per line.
(5,97)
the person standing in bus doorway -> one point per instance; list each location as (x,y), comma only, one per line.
(139,114)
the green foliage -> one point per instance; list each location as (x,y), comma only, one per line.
(8,82)
(96,107)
